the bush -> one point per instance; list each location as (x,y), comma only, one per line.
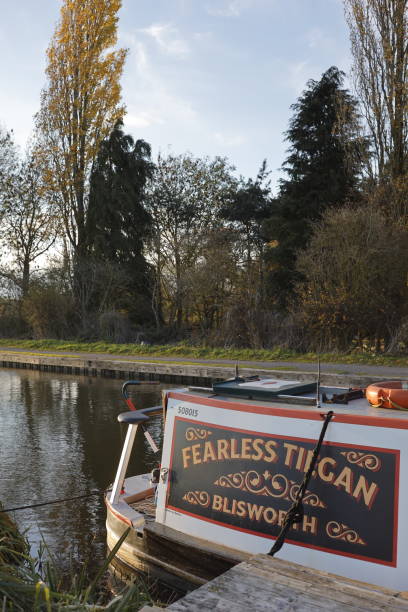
(355,289)
(11,322)
(49,313)
(114,326)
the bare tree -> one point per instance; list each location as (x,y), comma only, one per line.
(8,164)
(184,201)
(379,42)
(28,227)
(212,282)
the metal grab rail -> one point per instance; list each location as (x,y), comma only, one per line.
(128,383)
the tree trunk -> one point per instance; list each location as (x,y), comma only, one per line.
(179,294)
(25,285)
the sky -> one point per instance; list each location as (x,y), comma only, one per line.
(212,77)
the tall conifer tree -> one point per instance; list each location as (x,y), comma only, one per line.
(117,222)
(323,169)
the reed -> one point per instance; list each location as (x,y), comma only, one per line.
(41,585)
(13,545)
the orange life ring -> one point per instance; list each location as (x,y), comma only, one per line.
(390,394)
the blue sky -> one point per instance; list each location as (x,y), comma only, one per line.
(213,77)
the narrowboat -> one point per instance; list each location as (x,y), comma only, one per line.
(239,459)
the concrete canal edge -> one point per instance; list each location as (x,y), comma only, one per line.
(200,374)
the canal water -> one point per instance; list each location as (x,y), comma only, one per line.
(59,437)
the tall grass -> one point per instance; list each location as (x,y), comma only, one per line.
(41,585)
(182,351)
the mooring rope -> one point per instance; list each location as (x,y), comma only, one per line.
(296,511)
(54,501)
(393,404)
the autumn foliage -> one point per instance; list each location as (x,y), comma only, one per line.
(80,105)
(178,247)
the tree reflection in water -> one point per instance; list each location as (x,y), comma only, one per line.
(59,437)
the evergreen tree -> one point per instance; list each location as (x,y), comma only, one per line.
(323,168)
(247,209)
(117,220)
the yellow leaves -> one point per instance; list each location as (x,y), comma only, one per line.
(81,103)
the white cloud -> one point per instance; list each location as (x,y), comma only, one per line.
(226,140)
(16,114)
(230,8)
(167,38)
(298,75)
(151,100)
(315,38)
(142,119)
(202,36)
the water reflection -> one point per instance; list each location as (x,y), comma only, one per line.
(58,438)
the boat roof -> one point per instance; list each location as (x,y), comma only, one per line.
(304,402)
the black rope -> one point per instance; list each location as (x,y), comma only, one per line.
(55,501)
(296,511)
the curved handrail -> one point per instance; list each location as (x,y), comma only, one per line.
(128,383)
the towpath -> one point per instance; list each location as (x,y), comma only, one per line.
(294,366)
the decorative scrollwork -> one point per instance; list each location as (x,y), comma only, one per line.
(235,481)
(312,499)
(272,485)
(201,498)
(280,485)
(256,483)
(339,531)
(195,433)
(364,460)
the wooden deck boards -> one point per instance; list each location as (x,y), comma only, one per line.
(266,584)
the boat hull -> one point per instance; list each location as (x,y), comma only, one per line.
(177,561)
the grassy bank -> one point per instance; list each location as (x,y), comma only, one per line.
(39,584)
(201,352)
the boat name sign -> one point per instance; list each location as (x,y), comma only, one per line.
(247,481)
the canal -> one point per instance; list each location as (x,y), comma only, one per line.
(59,437)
